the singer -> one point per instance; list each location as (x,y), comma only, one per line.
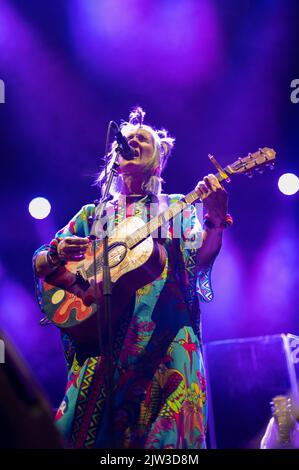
(159,379)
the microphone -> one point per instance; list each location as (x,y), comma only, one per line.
(125,150)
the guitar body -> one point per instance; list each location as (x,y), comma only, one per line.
(69,294)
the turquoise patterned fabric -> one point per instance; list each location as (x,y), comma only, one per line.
(160,390)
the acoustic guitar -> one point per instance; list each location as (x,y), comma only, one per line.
(136,258)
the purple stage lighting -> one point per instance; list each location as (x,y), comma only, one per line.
(288,184)
(154,43)
(39,208)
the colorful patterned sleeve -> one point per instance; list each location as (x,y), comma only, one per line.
(78,225)
(190,243)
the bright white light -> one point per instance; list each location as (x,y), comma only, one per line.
(39,208)
(288,184)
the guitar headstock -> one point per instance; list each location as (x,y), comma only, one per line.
(253,161)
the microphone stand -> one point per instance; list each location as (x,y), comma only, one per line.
(106,348)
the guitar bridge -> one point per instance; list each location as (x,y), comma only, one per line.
(81,280)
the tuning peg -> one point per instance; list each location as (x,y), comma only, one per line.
(272,166)
(260,170)
(249,174)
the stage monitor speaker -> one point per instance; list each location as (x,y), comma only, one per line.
(243,376)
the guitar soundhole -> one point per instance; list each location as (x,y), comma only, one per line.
(116,253)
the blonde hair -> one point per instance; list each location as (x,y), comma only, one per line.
(163,144)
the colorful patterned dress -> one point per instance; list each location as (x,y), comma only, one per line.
(159,380)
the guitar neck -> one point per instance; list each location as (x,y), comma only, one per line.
(156,222)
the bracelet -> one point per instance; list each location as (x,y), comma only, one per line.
(53,259)
(227,222)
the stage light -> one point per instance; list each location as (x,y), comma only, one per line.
(39,208)
(288,184)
